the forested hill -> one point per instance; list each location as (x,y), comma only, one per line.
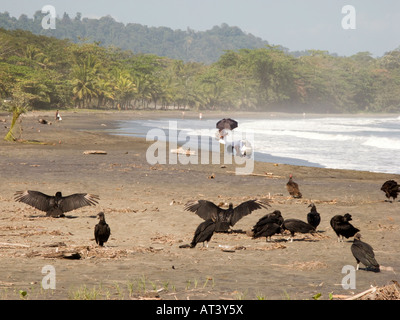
(189,45)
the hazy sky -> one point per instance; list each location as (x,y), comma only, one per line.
(295,24)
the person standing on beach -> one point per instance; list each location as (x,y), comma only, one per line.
(58,116)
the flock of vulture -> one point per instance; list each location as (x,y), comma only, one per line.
(217,219)
(221,220)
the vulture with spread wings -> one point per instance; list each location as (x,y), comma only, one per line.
(224,218)
(56,206)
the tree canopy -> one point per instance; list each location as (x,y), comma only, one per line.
(50,73)
(187,45)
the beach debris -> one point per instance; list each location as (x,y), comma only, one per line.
(212,176)
(72,256)
(270,175)
(94,152)
(181,150)
(54,245)
(8,244)
(43,121)
(227,248)
(388,292)
(304,265)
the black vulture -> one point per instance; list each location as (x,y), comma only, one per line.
(313,217)
(203,233)
(268,225)
(364,253)
(391,189)
(101,230)
(342,227)
(268,230)
(224,218)
(55,206)
(293,188)
(296,225)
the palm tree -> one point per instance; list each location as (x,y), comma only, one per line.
(20,102)
(105,91)
(85,76)
(125,89)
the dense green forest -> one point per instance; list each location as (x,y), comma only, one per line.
(188,45)
(40,72)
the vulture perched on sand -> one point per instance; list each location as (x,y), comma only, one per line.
(342,227)
(293,188)
(364,253)
(224,218)
(101,230)
(313,217)
(203,233)
(391,189)
(268,225)
(56,206)
(297,226)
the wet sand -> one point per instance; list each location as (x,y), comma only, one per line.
(143,205)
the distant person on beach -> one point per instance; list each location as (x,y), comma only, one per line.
(200,115)
(242,148)
(58,116)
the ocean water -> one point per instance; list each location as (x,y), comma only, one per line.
(356,143)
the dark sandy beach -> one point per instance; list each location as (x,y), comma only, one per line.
(143,204)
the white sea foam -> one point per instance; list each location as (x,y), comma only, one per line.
(359,143)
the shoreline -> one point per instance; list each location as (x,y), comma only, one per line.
(258,156)
(111,119)
(144,206)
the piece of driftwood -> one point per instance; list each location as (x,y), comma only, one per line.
(63,255)
(187,152)
(13,244)
(94,152)
(266,174)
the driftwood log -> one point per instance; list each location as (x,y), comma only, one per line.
(94,152)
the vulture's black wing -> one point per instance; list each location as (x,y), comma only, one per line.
(35,199)
(246,208)
(363,252)
(203,208)
(101,233)
(77,200)
(296,225)
(203,232)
